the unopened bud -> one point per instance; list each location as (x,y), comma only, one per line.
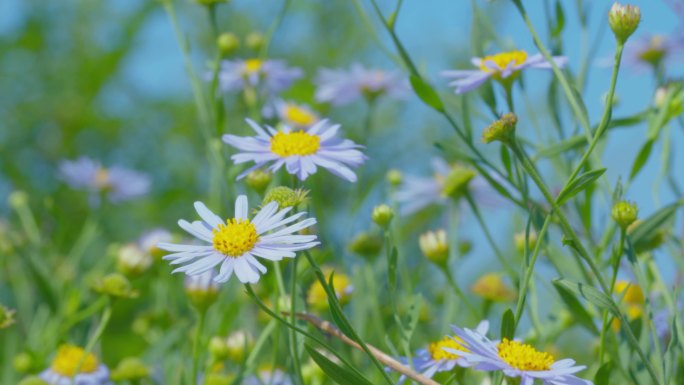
(382,215)
(227,43)
(435,246)
(394,177)
(286,197)
(255,41)
(130,369)
(366,245)
(502,130)
(623,20)
(456,182)
(624,213)
(115,285)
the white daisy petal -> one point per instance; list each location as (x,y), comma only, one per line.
(241,207)
(212,219)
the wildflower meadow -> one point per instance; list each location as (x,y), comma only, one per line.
(362,192)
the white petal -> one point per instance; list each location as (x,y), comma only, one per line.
(226,271)
(207,215)
(241,207)
(200,232)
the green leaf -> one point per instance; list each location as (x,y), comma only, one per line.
(641,158)
(643,233)
(506,160)
(579,184)
(335,310)
(560,20)
(337,373)
(580,314)
(589,293)
(508,325)
(426,93)
(412,318)
(392,270)
(603,374)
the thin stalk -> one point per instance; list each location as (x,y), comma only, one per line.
(488,235)
(104,321)
(199,327)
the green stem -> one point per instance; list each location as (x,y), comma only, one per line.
(529,271)
(615,265)
(457,290)
(104,321)
(199,327)
(293,334)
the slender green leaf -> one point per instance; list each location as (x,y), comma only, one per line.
(641,159)
(335,372)
(589,293)
(579,184)
(426,93)
(508,325)
(580,314)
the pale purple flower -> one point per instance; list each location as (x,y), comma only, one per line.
(500,66)
(149,240)
(301,151)
(342,86)
(483,354)
(429,361)
(269,377)
(269,77)
(235,244)
(294,114)
(650,51)
(418,192)
(117,183)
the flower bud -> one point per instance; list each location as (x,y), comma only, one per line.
(366,245)
(227,43)
(115,285)
(201,290)
(435,247)
(502,130)
(132,260)
(286,197)
(130,369)
(623,20)
(6,317)
(456,182)
(394,177)
(492,287)
(238,344)
(18,199)
(23,362)
(519,241)
(255,41)
(258,180)
(218,379)
(382,215)
(624,213)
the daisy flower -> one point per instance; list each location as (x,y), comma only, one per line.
(436,359)
(515,359)
(301,152)
(63,370)
(417,192)
(117,183)
(505,65)
(236,243)
(269,76)
(295,115)
(341,86)
(652,51)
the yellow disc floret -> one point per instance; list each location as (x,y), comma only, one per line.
(298,116)
(235,238)
(102,178)
(503,60)
(295,143)
(524,357)
(252,66)
(437,351)
(69,357)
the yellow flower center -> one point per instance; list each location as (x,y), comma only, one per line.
(252,66)
(502,60)
(235,238)
(298,115)
(67,360)
(437,351)
(524,357)
(102,178)
(295,143)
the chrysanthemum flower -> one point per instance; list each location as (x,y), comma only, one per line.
(341,86)
(652,51)
(436,359)
(515,359)
(63,370)
(416,192)
(236,243)
(295,115)
(504,65)
(118,183)
(268,76)
(301,152)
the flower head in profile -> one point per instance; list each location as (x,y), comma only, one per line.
(64,368)
(418,192)
(436,358)
(654,51)
(236,243)
(295,115)
(301,152)
(504,66)
(117,183)
(268,76)
(492,287)
(341,86)
(515,359)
